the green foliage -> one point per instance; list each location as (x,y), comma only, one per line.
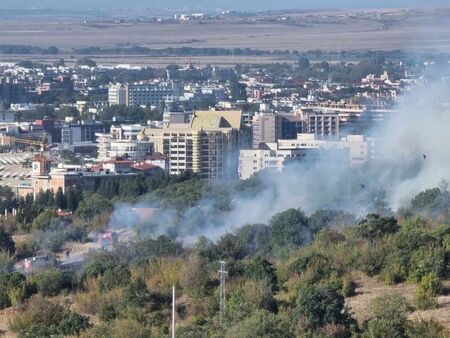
(260,324)
(428,329)
(92,206)
(6,262)
(6,242)
(372,259)
(254,239)
(118,276)
(389,317)
(427,260)
(261,269)
(43,221)
(195,277)
(52,282)
(348,286)
(430,286)
(319,305)
(288,229)
(238,91)
(42,318)
(324,219)
(430,202)
(374,227)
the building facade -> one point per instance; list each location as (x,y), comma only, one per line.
(208,145)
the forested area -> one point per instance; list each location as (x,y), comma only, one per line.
(290,277)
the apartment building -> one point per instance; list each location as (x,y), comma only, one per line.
(275,156)
(267,157)
(122,141)
(144,94)
(208,145)
(269,127)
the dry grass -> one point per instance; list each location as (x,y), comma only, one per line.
(5,316)
(370,288)
(332,31)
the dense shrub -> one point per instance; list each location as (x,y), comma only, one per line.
(52,282)
(42,318)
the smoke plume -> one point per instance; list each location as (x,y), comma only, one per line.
(412,153)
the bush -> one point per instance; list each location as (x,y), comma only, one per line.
(118,276)
(427,260)
(371,259)
(348,286)
(260,324)
(390,317)
(428,329)
(42,318)
(430,286)
(374,227)
(52,282)
(6,242)
(318,305)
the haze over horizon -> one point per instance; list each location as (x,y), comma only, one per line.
(249,5)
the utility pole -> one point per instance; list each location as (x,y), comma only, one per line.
(173,311)
(222,274)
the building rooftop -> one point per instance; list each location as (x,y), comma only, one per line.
(217,119)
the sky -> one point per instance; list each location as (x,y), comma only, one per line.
(247,5)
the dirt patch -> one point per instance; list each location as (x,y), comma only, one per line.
(370,288)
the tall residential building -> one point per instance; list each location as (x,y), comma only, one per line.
(270,127)
(323,126)
(208,145)
(265,128)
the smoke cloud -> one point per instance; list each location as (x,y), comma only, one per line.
(412,154)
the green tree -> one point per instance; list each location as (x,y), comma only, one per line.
(261,269)
(238,91)
(6,242)
(288,229)
(73,198)
(92,206)
(60,199)
(43,220)
(319,305)
(374,227)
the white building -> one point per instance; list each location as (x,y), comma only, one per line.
(122,141)
(267,158)
(275,156)
(144,94)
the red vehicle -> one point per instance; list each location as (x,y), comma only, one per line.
(108,240)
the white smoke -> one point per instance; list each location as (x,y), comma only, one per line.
(413,148)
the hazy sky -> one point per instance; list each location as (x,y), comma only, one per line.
(212,4)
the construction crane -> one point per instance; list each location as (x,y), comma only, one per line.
(12,140)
